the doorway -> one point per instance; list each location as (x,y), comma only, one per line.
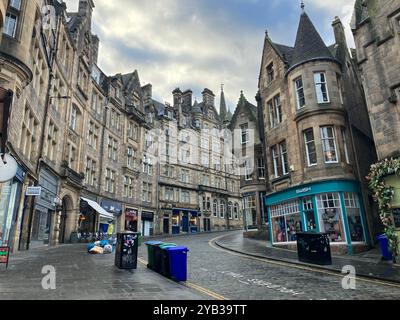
(185,223)
(166,226)
(207,224)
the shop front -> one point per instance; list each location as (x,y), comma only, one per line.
(147,223)
(45,209)
(335,208)
(185,220)
(114,208)
(10,196)
(93,218)
(131,219)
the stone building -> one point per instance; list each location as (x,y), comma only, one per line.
(198,192)
(376,30)
(87,141)
(318,140)
(246,120)
(25,54)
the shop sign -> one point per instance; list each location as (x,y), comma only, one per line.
(112,206)
(304,190)
(34,191)
(4,255)
(149,216)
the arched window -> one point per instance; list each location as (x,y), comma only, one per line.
(236,211)
(222,209)
(230,210)
(215,208)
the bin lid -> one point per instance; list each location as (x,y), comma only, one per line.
(183,249)
(381,237)
(163,246)
(153,243)
(169,244)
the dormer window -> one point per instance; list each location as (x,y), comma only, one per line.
(270,73)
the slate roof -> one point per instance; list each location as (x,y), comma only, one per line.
(285,51)
(309,44)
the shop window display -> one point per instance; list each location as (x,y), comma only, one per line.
(330,215)
(308,208)
(286,222)
(7,207)
(354,217)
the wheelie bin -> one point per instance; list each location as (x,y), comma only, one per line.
(178,263)
(165,262)
(384,244)
(158,256)
(126,250)
(151,245)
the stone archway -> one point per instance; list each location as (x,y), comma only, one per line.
(67,208)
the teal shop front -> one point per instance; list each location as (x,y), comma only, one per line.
(332,207)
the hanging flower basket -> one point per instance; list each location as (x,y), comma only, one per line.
(384,195)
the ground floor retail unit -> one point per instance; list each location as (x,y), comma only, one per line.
(332,207)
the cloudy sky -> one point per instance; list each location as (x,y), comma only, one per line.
(202,43)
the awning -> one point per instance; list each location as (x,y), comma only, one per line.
(103,213)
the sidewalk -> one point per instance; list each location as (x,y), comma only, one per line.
(367,264)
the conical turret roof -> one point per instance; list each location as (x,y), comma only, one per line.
(309,44)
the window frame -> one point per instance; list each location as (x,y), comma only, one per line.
(318,83)
(307,143)
(323,139)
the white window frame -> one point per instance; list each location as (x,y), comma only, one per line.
(323,138)
(307,143)
(318,87)
(297,90)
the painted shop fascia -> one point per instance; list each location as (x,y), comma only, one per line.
(334,206)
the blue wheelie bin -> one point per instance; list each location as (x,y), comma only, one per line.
(384,244)
(151,253)
(178,263)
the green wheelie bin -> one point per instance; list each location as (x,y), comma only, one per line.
(151,246)
(158,256)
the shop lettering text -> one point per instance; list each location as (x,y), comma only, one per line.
(304,190)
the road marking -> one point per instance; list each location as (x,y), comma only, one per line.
(290,265)
(194,286)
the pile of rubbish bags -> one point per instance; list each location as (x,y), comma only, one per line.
(100,247)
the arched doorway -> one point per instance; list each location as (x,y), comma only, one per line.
(66,208)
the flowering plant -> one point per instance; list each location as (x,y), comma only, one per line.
(383,195)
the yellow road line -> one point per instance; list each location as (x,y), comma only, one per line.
(290,265)
(194,286)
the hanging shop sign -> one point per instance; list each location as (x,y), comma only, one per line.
(4,255)
(113,207)
(8,168)
(34,191)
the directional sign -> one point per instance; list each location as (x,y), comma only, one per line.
(34,191)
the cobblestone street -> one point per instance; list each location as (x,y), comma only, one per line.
(220,273)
